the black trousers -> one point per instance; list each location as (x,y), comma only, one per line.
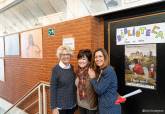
(67,111)
(86,111)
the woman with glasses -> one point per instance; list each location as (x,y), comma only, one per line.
(63,90)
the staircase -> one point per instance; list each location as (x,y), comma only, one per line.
(33,102)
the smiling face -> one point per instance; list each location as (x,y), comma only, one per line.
(99,59)
(65,57)
(82,62)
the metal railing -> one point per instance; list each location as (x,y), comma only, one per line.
(40,88)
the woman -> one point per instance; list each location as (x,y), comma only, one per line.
(106,83)
(63,92)
(86,96)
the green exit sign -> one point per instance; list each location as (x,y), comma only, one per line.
(51,32)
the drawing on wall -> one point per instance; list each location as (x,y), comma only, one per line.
(2,77)
(12,44)
(31,44)
(1,47)
(140,66)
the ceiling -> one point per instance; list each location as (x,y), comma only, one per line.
(25,14)
(21,15)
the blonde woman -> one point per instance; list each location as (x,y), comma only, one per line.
(63,90)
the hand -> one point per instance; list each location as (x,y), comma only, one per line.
(55,111)
(91,73)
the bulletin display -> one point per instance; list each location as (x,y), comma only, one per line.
(139,63)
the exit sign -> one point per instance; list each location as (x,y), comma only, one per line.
(51,32)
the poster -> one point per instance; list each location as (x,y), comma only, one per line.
(31,44)
(1,47)
(69,41)
(140,66)
(2,78)
(12,44)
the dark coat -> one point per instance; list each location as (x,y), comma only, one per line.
(106,88)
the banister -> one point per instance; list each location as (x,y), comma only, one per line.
(31,104)
(33,89)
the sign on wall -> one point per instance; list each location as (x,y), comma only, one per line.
(51,31)
(140,66)
(69,41)
(151,33)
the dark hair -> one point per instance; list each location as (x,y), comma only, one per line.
(85,53)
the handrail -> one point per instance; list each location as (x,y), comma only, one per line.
(31,104)
(34,88)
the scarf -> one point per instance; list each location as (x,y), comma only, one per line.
(82,74)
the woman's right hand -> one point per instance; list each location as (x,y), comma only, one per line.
(55,111)
(91,73)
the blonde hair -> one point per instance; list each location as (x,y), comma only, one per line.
(61,48)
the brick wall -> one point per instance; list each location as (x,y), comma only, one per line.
(22,74)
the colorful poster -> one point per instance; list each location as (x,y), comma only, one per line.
(1,47)
(12,44)
(151,33)
(31,44)
(140,66)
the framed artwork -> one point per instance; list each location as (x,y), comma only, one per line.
(1,47)
(140,66)
(12,44)
(2,77)
(31,44)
